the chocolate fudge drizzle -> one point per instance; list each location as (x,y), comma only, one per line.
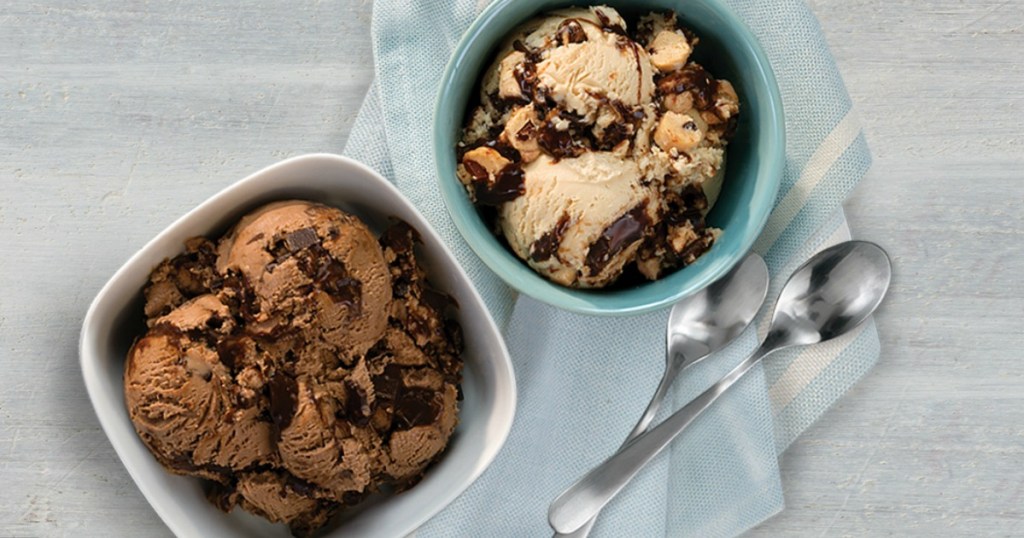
(692,78)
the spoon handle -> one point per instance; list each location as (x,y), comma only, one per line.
(671,372)
(667,378)
(584,499)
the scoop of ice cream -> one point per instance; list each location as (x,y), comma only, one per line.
(281,499)
(180,398)
(301,364)
(593,63)
(581,219)
(588,141)
(315,271)
(309,445)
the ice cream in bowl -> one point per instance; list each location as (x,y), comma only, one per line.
(299,355)
(609,159)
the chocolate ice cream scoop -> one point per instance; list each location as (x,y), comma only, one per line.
(280,498)
(181,400)
(300,364)
(314,270)
(311,448)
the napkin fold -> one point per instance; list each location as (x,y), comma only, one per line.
(583,381)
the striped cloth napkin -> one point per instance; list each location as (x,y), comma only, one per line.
(583,381)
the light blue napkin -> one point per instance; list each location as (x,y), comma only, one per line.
(583,381)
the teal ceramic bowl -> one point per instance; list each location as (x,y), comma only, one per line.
(753,167)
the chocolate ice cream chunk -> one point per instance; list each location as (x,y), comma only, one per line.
(181,278)
(281,498)
(300,364)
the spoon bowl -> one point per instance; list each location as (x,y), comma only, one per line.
(708,321)
(833,292)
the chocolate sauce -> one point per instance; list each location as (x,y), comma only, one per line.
(437,300)
(283,400)
(620,234)
(400,237)
(192,272)
(240,298)
(453,334)
(694,249)
(545,247)
(330,275)
(526,131)
(559,144)
(624,128)
(570,142)
(357,405)
(333,278)
(532,55)
(694,79)
(201,334)
(299,486)
(686,206)
(387,385)
(606,23)
(508,186)
(526,77)
(185,462)
(570,31)
(166,329)
(231,350)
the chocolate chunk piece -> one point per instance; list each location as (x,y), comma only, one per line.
(283,399)
(545,247)
(301,239)
(622,233)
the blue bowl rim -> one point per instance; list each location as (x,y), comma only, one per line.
(521,277)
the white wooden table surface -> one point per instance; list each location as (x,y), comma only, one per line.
(116,117)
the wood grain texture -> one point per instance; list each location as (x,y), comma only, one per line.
(115,117)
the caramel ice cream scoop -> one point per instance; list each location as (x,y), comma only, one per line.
(601,144)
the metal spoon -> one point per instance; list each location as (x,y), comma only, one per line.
(829,295)
(700,325)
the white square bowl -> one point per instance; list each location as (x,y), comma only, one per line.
(115,318)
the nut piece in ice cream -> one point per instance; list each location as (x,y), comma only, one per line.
(508,75)
(298,364)
(521,132)
(669,51)
(678,132)
(602,147)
